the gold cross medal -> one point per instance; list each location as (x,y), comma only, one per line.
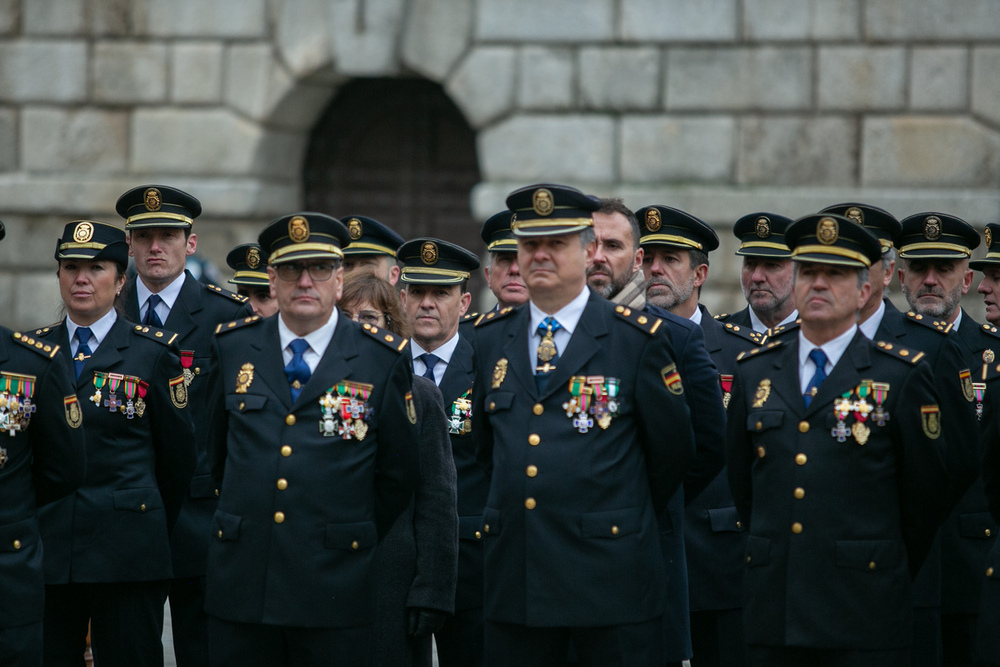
(329,405)
(547,348)
(862,408)
(99,379)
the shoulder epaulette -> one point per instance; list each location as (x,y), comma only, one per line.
(493,316)
(236,324)
(46,329)
(159,335)
(469,316)
(783,328)
(749,354)
(38,346)
(937,325)
(639,319)
(721,316)
(385,337)
(912,356)
(224,292)
(749,334)
(991,330)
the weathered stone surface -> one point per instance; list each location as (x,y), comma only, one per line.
(130,72)
(679,20)
(483,84)
(109,17)
(801,19)
(929,151)
(260,87)
(10,16)
(931,19)
(738,78)
(303,32)
(53,17)
(546,78)
(549,21)
(87,140)
(366,36)
(859,78)
(985,90)
(539,147)
(200,18)
(655,149)
(43,71)
(939,78)
(620,78)
(196,72)
(806,151)
(8,139)
(436,34)
(43,306)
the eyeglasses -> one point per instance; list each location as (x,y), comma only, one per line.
(366,316)
(292,271)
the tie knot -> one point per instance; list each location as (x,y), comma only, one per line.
(548,325)
(83,334)
(298,346)
(154,300)
(429,360)
(819,358)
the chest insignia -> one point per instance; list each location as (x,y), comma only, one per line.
(16,407)
(594,398)
(761,395)
(460,419)
(499,373)
(345,410)
(244,377)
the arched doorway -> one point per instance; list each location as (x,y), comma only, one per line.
(400,151)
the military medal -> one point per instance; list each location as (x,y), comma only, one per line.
(499,373)
(841,408)
(345,410)
(593,399)
(979,388)
(879,391)
(131,384)
(460,421)
(726,381)
(244,377)
(988,356)
(111,402)
(763,391)
(99,379)
(15,401)
(187,359)
(329,404)
(140,404)
(862,408)
(575,387)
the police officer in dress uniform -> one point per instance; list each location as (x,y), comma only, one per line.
(836,463)
(107,546)
(572,397)
(675,262)
(159,222)
(372,248)
(311,443)
(435,296)
(250,265)
(42,458)
(503,275)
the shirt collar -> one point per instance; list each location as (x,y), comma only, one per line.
(958,320)
(318,340)
(444,353)
(696,316)
(870,326)
(98,329)
(169,293)
(568,316)
(833,349)
(759,326)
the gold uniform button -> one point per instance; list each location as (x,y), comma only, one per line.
(801,459)
(538,409)
(355,545)
(533,439)
(530,503)
(614,530)
(748,559)
(803,427)
(220,534)
(486,528)
(739,524)
(761,451)
(796,527)
(142,507)
(800,493)
(493,406)
(17,544)
(479,535)
(759,426)
(216,493)
(290,420)
(286,451)
(532,471)
(279,517)
(871,565)
(986,532)
(282,484)
(989,572)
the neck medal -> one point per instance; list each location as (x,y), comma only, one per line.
(880,391)
(862,408)
(15,402)
(841,408)
(460,420)
(99,379)
(979,388)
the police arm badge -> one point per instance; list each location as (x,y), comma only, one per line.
(930,421)
(74,416)
(672,379)
(411,409)
(178,392)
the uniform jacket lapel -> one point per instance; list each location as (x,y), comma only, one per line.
(270,366)
(458,375)
(132,302)
(845,376)
(786,378)
(711,328)
(181,318)
(516,351)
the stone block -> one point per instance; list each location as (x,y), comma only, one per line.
(807,151)
(10,16)
(44,305)
(43,71)
(200,18)
(985,91)
(620,78)
(130,72)
(560,148)
(679,20)
(799,20)
(939,78)
(366,36)
(862,78)
(196,72)
(54,17)
(109,17)
(86,140)
(435,35)
(483,84)
(929,151)
(546,78)
(303,35)
(8,139)
(739,78)
(661,148)
(931,20)
(565,21)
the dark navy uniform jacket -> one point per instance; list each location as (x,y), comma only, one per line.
(116,527)
(570,524)
(39,463)
(988,639)
(197,311)
(300,512)
(835,528)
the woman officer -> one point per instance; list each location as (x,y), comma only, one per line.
(107,546)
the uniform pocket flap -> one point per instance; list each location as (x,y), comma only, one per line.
(470,527)
(18,535)
(869,554)
(611,524)
(758,551)
(499,400)
(491,521)
(203,486)
(763,420)
(138,500)
(244,402)
(351,536)
(978,524)
(725,520)
(226,527)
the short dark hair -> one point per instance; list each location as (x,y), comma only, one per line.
(611,205)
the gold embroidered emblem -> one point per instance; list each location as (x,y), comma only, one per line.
(763,228)
(827,231)
(989,237)
(178,392)
(411,409)
(932,228)
(988,356)
(429,253)
(83,233)
(966,379)
(762,393)
(244,377)
(855,214)
(253,257)
(930,417)
(354,228)
(298,229)
(74,417)
(499,373)
(542,202)
(360,429)
(152,199)
(653,220)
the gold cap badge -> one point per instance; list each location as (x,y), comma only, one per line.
(429,253)
(83,232)
(856,214)
(932,228)
(989,237)
(763,227)
(152,199)
(354,228)
(653,220)
(298,229)
(253,258)
(542,202)
(827,231)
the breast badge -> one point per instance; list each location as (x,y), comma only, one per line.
(499,373)
(460,419)
(930,421)
(672,379)
(979,388)
(71,406)
(965,377)
(594,398)
(178,392)
(16,407)
(761,395)
(411,409)
(244,377)
(345,410)
(726,382)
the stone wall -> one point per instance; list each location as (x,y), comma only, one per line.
(720,107)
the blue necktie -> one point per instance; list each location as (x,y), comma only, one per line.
(430,361)
(818,358)
(83,350)
(297,369)
(548,353)
(152,319)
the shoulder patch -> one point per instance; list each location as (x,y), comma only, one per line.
(46,329)
(236,324)
(224,292)
(937,325)
(757,351)
(747,333)
(387,338)
(893,350)
(159,335)
(42,348)
(639,319)
(493,316)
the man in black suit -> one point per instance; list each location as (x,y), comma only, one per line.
(372,248)
(159,221)
(312,447)
(837,465)
(572,398)
(435,296)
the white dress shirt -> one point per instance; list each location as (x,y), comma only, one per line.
(568,317)
(443,354)
(318,341)
(168,295)
(833,349)
(98,330)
